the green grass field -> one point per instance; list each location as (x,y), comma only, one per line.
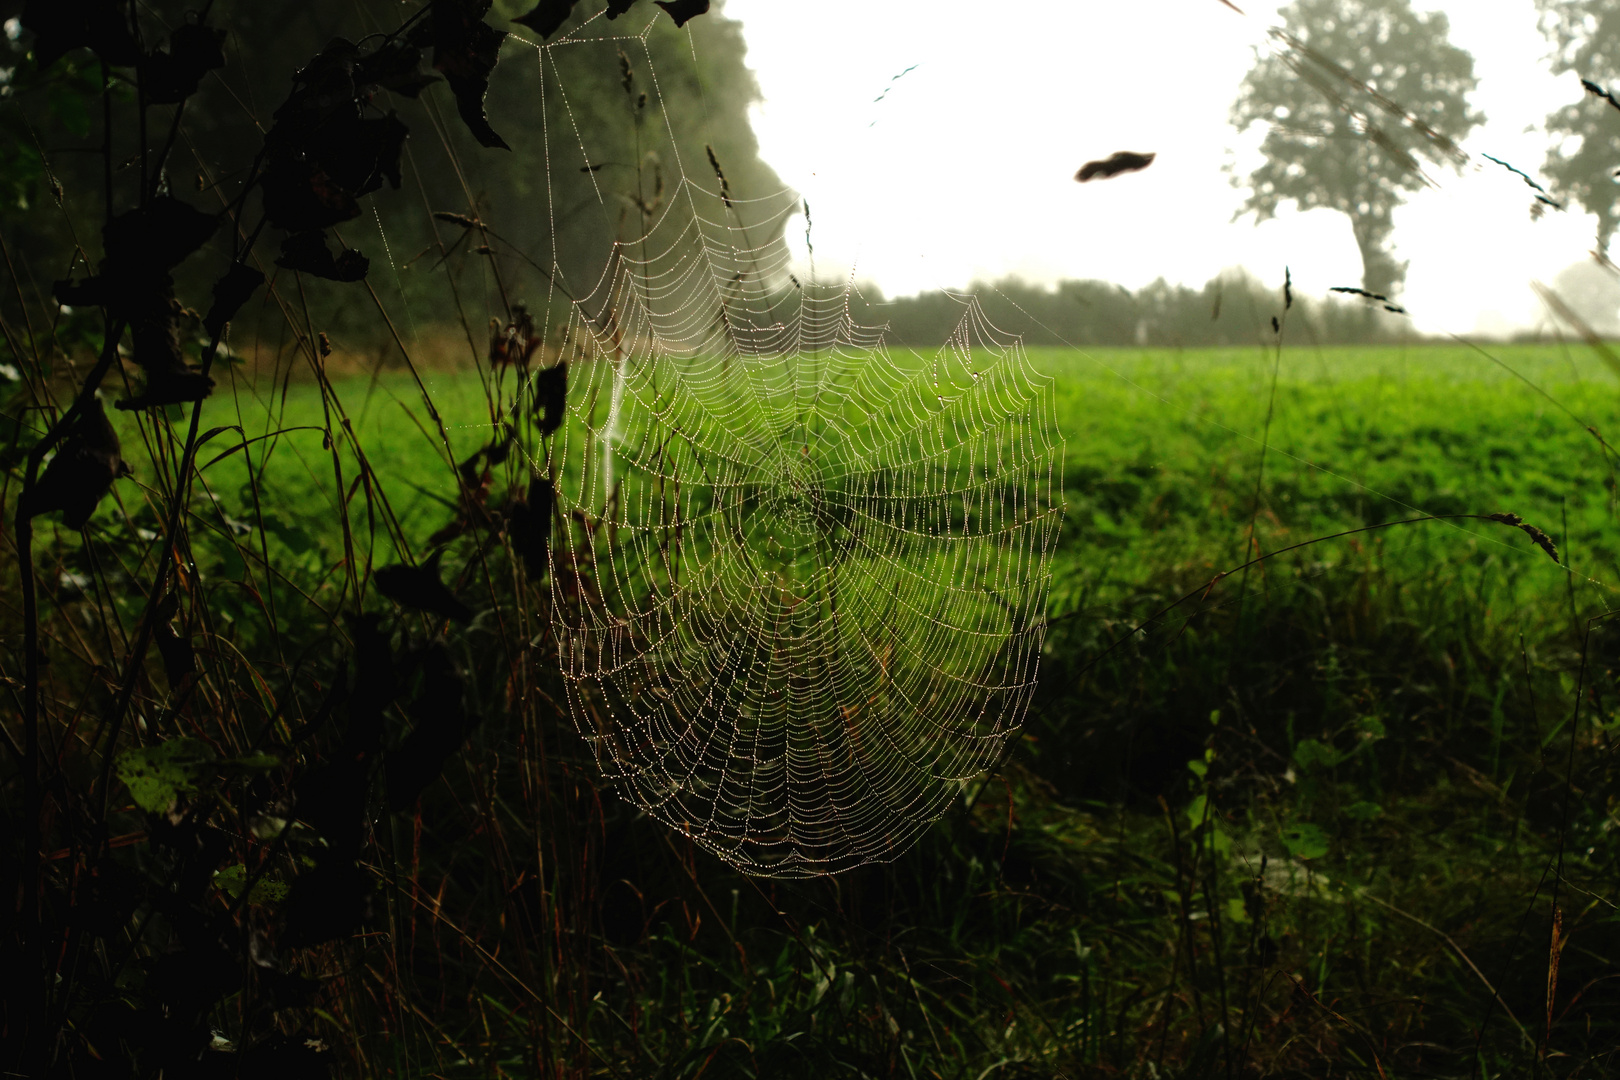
(1162,457)
(1315,822)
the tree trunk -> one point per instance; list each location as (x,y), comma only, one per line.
(1381,273)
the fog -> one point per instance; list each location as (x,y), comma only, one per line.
(961,169)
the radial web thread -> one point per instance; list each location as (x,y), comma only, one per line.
(800,577)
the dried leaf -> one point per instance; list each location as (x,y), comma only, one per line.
(156,237)
(230,293)
(442,726)
(516,342)
(551,397)
(85,465)
(375,687)
(615,8)
(683,10)
(60,26)
(307,252)
(547,16)
(1122,161)
(314,178)
(530,523)
(395,66)
(169,77)
(155,340)
(326,903)
(465,51)
(179,660)
(419,587)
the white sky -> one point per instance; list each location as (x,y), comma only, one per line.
(965,169)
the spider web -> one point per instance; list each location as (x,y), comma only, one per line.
(800,578)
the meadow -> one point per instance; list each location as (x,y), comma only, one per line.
(1337,815)
(1162,469)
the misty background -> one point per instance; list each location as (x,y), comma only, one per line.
(962,172)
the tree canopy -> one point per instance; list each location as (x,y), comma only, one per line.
(1585,35)
(1356,97)
(582,126)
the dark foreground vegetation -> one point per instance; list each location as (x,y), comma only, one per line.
(290,788)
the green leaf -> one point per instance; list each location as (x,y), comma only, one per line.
(294,536)
(266,890)
(1311,754)
(1199,812)
(258,761)
(1363,811)
(1305,841)
(157,776)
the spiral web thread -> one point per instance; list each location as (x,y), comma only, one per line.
(800,577)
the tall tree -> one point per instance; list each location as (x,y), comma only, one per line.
(631,96)
(1585,35)
(1356,96)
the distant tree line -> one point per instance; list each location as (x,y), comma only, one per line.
(1231,309)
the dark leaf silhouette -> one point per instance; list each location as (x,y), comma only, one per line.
(324,150)
(326,903)
(179,660)
(287,990)
(331,799)
(682,10)
(85,465)
(499,448)
(111,895)
(551,397)
(307,252)
(282,1056)
(465,51)
(155,339)
(230,293)
(142,246)
(547,16)
(615,8)
(60,26)
(300,196)
(316,181)
(442,725)
(154,238)
(419,587)
(530,523)
(396,66)
(170,76)
(375,686)
(471,472)
(516,342)
(1121,161)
